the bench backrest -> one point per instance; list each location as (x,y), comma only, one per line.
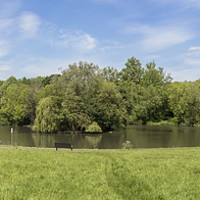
(62,145)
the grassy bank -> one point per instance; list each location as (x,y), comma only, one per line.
(170,123)
(156,174)
(162,123)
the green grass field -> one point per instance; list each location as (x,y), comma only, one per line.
(155,174)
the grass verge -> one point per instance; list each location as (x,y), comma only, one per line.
(162,123)
(118,175)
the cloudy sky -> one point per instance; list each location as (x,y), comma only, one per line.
(37,37)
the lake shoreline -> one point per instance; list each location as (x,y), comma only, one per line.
(97,150)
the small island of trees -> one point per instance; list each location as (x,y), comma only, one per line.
(84,98)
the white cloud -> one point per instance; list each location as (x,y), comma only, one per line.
(29,24)
(162,38)
(193,52)
(194,49)
(153,39)
(78,40)
(85,41)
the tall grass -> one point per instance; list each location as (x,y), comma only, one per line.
(141,175)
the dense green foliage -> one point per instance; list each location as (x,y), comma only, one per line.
(83,93)
(154,174)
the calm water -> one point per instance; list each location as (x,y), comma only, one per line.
(140,137)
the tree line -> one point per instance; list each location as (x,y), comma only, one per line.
(85,97)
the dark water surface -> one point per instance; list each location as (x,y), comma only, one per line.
(139,136)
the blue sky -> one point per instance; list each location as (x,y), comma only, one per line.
(37,37)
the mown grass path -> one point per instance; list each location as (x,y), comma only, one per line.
(99,174)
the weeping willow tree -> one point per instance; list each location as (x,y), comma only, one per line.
(49,117)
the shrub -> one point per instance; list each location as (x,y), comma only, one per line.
(94,127)
(127,145)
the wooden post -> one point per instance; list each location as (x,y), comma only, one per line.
(11,131)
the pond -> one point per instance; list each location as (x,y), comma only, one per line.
(139,136)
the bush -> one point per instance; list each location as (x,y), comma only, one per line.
(94,127)
(127,145)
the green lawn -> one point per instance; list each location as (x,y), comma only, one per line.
(156,174)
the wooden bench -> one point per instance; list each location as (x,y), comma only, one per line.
(63,145)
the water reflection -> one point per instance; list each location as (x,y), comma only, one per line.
(139,136)
(93,140)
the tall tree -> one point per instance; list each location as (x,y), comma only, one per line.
(155,77)
(108,107)
(14,104)
(133,72)
(78,83)
(184,100)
